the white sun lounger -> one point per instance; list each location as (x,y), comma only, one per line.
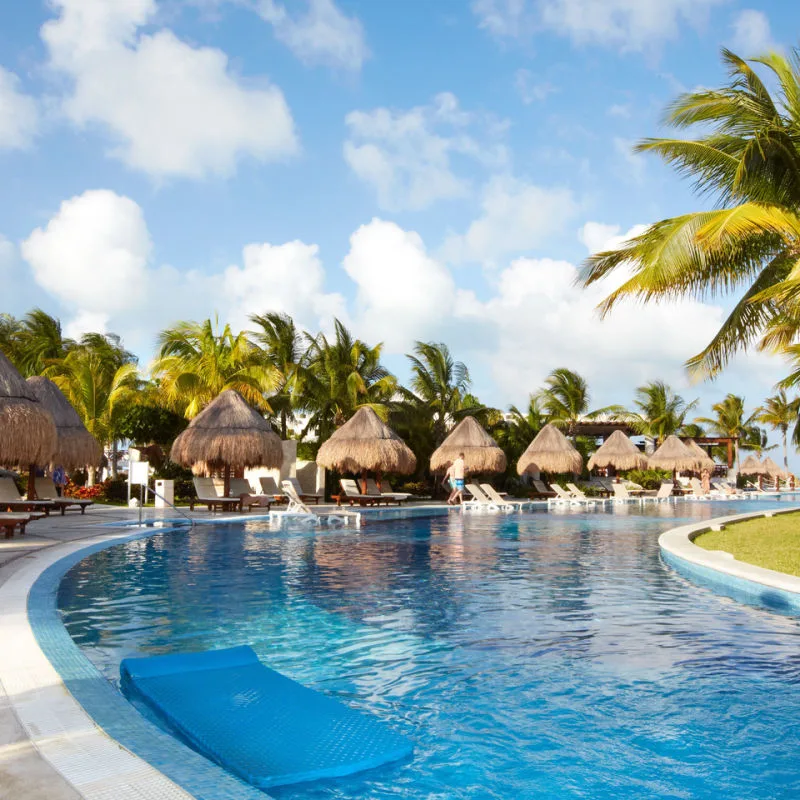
(302,493)
(495,497)
(581,496)
(207,495)
(374,491)
(298,511)
(480,502)
(622,495)
(563,497)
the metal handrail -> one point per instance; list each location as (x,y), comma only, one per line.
(172,506)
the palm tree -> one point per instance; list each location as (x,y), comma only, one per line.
(565,399)
(38,341)
(282,349)
(661,412)
(779,412)
(196,361)
(746,157)
(730,421)
(339,376)
(100,390)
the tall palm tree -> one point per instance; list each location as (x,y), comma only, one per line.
(281,347)
(196,361)
(779,412)
(660,411)
(100,390)
(565,399)
(730,421)
(338,376)
(746,158)
(39,341)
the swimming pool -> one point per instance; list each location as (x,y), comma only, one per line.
(548,654)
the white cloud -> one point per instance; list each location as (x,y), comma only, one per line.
(92,255)
(172,109)
(636,25)
(403,293)
(531,90)
(517,216)
(406,155)
(19,115)
(619,110)
(322,35)
(634,162)
(751,34)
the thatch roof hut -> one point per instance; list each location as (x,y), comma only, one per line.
(773,470)
(619,452)
(675,456)
(27,431)
(481,453)
(752,466)
(550,451)
(76,447)
(706,462)
(228,433)
(366,444)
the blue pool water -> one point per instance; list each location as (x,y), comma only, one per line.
(542,655)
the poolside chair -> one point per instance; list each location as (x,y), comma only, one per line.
(208,496)
(242,489)
(664,492)
(387,489)
(304,495)
(352,494)
(480,501)
(563,497)
(271,489)
(581,496)
(542,490)
(298,511)
(12,500)
(10,522)
(391,497)
(495,497)
(46,490)
(622,495)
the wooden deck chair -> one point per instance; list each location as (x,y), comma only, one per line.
(46,490)
(208,496)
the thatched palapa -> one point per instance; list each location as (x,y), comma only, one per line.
(773,470)
(550,451)
(366,444)
(618,452)
(481,453)
(75,447)
(27,431)
(706,462)
(752,466)
(228,433)
(674,455)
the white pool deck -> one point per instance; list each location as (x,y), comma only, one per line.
(49,747)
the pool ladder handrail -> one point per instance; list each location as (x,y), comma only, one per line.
(171,505)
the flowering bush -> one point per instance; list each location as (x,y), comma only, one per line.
(84,492)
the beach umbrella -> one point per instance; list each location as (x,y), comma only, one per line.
(481,453)
(618,452)
(75,446)
(752,466)
(706,462)
(550,451)
(228,434)
(366,444)
(27,431)
(675,456)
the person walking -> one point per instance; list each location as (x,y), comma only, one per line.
(60,480)
(455,474)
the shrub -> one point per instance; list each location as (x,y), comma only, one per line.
(96,492)
(647,478)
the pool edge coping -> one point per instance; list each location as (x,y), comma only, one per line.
(723,573)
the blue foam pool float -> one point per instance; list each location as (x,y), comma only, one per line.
(255,722)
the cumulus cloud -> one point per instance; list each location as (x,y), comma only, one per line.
(530,88)
(517,216)
(122,80)
(751,34)
(322,35)
(635,25)
(19,115)
(406,156)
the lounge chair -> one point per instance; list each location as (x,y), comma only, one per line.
(664,492)
(242,489)
(46,490)
(387,489)
(352,494)
(391,497)
(207,495)
(495,497)
(542,490)
(580,495)
(622,495)
(271,489)
(563,496)
(480,501)
(298,511)
(304,495)
(12,500)
(10,522)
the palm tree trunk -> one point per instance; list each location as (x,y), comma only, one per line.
(91,475)
(785,451)
(114,458)
(32,482)
(284,426)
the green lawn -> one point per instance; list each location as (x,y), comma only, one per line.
(773,543)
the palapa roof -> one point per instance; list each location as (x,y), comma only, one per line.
(27,431)
(75,446)
(228,432)
(773,470)
(706,462)
(674,455)
(620,452)
(365,442)
(752,466)
(481,453)
(550,451)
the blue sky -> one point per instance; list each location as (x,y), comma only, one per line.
(424,170)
